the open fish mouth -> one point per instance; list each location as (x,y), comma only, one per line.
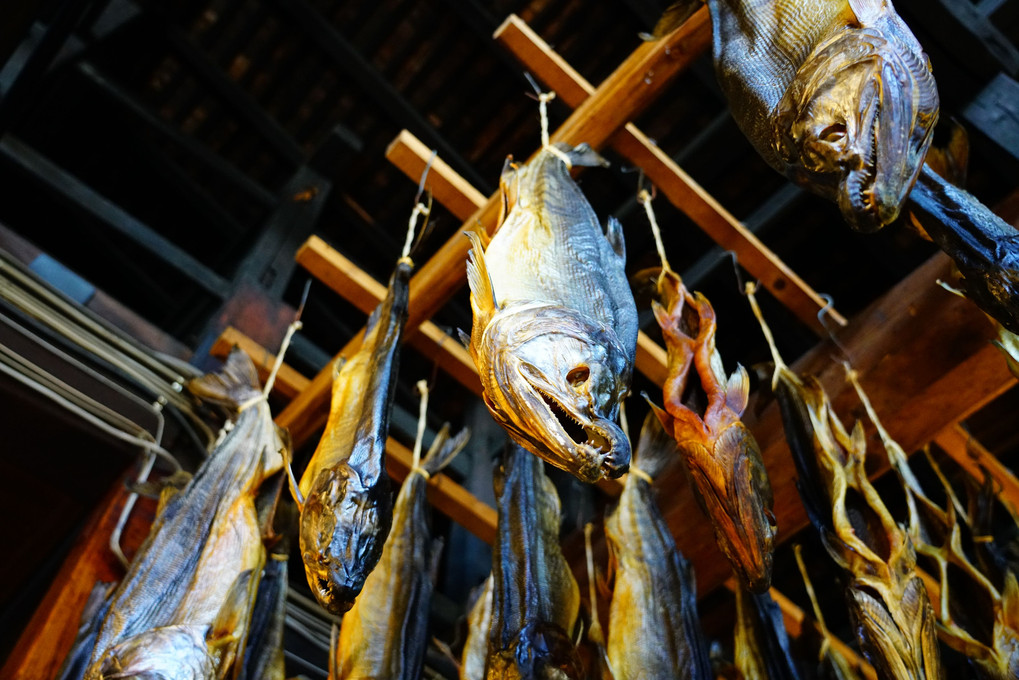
(594,447)
(577,431)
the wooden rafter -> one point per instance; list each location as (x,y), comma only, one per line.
(976,460)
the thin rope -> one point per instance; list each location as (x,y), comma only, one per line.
(751,288)
(644,198)
(422,386)
(543,99)
(640,474)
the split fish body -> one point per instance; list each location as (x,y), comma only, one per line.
(654,631)
(348,508)
(719,453)
(836,94)
(535,597)
(385,633)
(188,593)
(555,324)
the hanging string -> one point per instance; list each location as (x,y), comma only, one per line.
(294,326)
(644,198)
(543,99)
(751,289)
(640,474)
(422,387)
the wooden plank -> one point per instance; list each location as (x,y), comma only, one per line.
(50,633)
(972,457)
(681,189)
(447,186)
(412,155)
(343,276)
(447,496)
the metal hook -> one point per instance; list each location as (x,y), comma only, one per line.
(739,274)
(424,176)
(822,318)
(534,84)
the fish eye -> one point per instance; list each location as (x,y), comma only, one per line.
(578,376)
(833,133)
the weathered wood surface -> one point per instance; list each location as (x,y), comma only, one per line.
(677,186)
(447,496)
(972,457)
(50,633)
(622,97)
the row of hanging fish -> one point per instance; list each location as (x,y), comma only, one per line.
(186,606)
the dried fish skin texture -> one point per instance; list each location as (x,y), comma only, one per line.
(555,324)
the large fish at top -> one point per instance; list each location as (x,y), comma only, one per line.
(348,506)
(836,94)
(182,610)
(555,324)
(385,633)
(535,598)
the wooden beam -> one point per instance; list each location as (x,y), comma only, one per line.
(447,496)
(681,189)
(972,457)
(448,187)
(331,268)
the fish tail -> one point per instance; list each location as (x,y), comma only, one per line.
(656,448)
(234,384)
(444,449)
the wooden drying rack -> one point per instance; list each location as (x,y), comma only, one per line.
(923,355)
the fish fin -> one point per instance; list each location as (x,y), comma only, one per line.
(338,365)
(675,15)
(868,11)
(583,154)
(226,635)
(465,339)
(614,235)
(508,189)
(737,390)
(443,452)
(483,299)
(232,385)
(656,447)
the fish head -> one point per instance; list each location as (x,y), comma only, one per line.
(554,379)
(167,653)
(543,651)
(856,122)
(344,525)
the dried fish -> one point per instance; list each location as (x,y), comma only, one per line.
(479,621)
(837,95)
(720,454)
(348,508)
(761,646)
(654,631)
(887,598)
(263,659)
(385,633)
(182,610)
(555,324)
(535,597)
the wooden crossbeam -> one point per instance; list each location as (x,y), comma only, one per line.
(331,268)
(627,92)
(681,189)
(447,496)
(972,457)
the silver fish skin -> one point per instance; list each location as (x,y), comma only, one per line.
(535,598)
(837,95)
(555,324)
(195,567)
(348,508)
(654,631)
(385,633)
(169,653)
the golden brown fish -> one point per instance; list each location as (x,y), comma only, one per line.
(654,631)
(836,94)
(718,451)
(535,597)
(183,608)
(479,621)
(385,633)
(555,325)
(888,602)
(348,507)
(761,646)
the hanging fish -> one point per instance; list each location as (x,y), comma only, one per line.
(654,631)
(555,323)
(535,597)
(703,410)
(385,633)
(346,503)
(888,602)
(761,646)
(479,622)
(183,608)
(837,95)
(263,659)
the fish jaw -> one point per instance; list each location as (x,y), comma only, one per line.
(167,653)
(554,379)
(856,122)
(344,525)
